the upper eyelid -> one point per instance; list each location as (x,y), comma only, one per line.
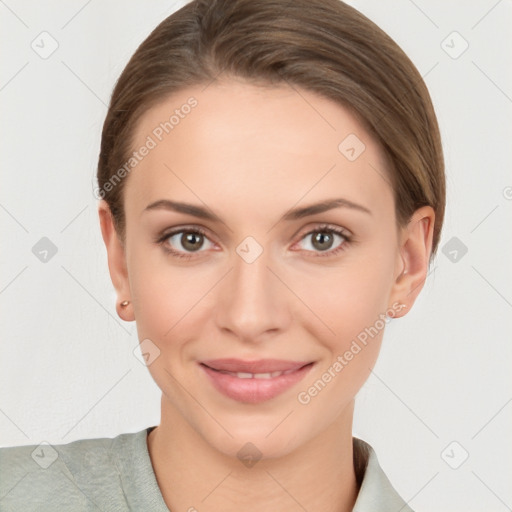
(324,226)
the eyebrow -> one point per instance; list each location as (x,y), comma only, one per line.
(297,213)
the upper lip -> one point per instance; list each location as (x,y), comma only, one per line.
(257,366)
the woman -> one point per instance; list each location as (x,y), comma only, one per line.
(272,192)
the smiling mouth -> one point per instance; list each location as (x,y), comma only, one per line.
(247,375)
(256,387)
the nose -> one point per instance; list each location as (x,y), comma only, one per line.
(253,303)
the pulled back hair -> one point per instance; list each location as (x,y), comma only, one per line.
(324,46)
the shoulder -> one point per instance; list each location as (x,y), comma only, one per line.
(376,491)
(64,477)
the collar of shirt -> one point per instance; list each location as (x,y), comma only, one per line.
(376,491)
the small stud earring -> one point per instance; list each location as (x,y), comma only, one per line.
(125,303)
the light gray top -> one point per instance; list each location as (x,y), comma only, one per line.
(115,474)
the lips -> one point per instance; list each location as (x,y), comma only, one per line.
(254,381)
(261,366)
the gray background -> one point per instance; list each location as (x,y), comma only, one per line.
(441,388)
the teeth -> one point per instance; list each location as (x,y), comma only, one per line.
(271,375)
(243,375)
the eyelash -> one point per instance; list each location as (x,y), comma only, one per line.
(325,228)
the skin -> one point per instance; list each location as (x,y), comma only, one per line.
(251,153)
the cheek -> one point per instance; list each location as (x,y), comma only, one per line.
(166,305)
(347,299)
(354,307)
(167,298)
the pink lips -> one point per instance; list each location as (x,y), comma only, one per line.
(254,388)
(260,366)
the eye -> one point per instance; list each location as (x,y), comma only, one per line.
(190,239)
(323,238)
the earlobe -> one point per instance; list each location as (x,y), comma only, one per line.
(116,256)
(414,250)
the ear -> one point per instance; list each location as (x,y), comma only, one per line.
(116,261)
(414,249)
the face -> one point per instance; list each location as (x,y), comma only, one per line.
(248,279)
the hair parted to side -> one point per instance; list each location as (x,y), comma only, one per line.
(324,46)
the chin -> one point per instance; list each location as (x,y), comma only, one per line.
(256,438)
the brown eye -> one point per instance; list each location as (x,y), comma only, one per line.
(324,238)
(191,241)
(182,243)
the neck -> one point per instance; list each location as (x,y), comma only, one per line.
(193,475)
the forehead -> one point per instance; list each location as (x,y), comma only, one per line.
(231,141)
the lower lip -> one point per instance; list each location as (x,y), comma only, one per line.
(254,391)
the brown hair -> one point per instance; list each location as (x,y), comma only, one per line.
(324,46)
